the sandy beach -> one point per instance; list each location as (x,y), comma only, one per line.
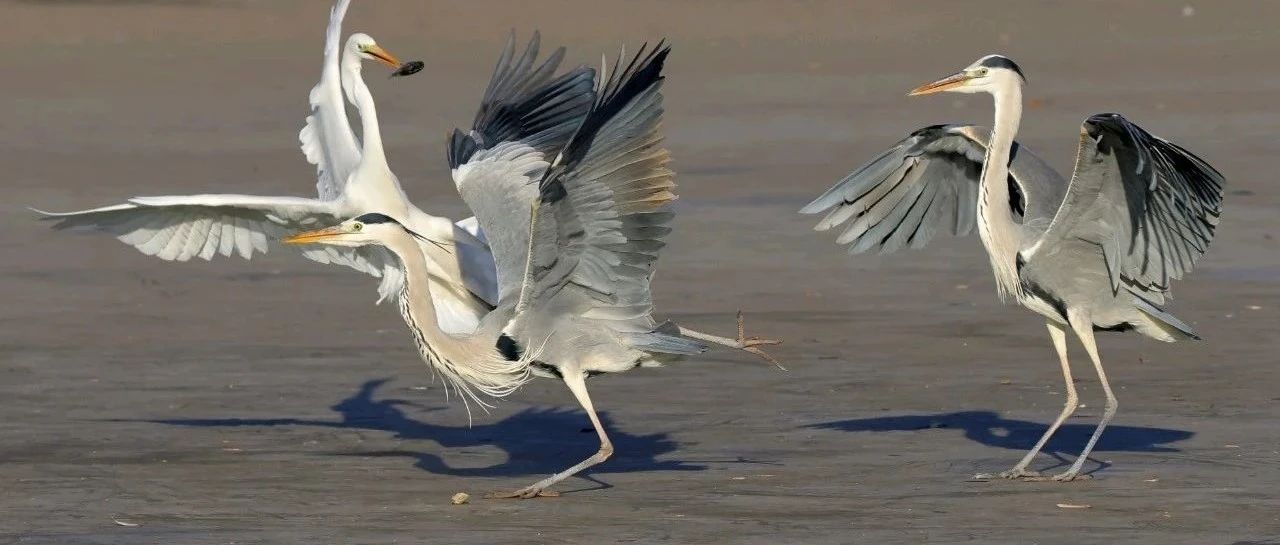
(269,401)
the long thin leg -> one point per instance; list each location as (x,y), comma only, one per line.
(1084,330)
(576,382)
(1058,334)
(741,343)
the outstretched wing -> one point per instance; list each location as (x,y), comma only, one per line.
(327,139)
(603,207)
(527,116)
(1151,205)
(178,228)
(928,183)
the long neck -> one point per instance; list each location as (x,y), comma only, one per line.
(358,94)
(1000,234)
(468,362)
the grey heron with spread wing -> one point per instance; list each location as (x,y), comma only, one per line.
(525,101)
(1096,253)
(575,236)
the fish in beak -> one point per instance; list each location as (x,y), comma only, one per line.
(949,82)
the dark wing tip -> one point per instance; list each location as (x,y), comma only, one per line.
(1174,197)
(642,72)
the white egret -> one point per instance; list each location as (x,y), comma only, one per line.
(353,178)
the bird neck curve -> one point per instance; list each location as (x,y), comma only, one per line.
(471,363)
(359,96)
(999,233)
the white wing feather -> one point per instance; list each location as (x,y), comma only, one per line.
(327,139)
(178,228)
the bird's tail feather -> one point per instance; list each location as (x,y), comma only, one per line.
(662,341)
(1168,327)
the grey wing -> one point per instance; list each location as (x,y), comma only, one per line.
(603,211)
(928,183)
(527,115)
(178,228)
(1151,205)
(327,139)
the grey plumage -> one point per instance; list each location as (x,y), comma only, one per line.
(1148,205)
(928,183)
(525,118)
(603,210)
(524,103)
(1097,252)
(575,236)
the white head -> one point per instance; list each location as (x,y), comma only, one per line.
(363,230)
(987,75)
(361,46)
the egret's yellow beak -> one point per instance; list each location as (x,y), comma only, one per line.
(312,237)
(949,82)
(383,56)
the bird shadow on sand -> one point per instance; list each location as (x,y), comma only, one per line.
(535,440)
(988,428)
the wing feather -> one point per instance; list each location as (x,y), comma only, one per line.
(326,139)
(1151,205)
(527,115)
(603,207)
(178,228)
(926,184)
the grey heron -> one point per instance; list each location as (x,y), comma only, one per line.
(1097,253)
(575,236)
(524,100)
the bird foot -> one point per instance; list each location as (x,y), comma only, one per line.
(1071,476)
(1061,477)
(1015,473)
(750,344)
(523,494)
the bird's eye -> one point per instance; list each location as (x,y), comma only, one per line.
(982,71)
(357,226)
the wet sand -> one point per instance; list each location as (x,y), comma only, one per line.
(270,402)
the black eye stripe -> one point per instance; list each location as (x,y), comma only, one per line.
(996,61)
(374,217)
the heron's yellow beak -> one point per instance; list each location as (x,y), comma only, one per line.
(312,237)
(949,82)
(383,56)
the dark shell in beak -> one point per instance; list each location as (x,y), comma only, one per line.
(408,69)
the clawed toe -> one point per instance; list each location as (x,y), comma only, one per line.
(749,344)
(1031,475)
(766,356)
(523,494)
(1069,476)
(1015,473)
(1020,474)
(757,341)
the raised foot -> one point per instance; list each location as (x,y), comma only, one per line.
(749,344)
(523,494)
